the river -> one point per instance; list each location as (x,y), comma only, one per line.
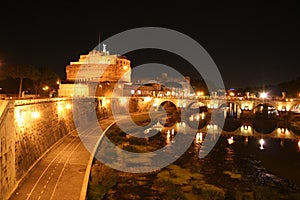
(237,167)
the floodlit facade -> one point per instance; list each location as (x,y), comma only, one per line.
(99,66)
(99,71)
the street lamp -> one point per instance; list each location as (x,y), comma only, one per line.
(46,88)
(263,95)
(200,94)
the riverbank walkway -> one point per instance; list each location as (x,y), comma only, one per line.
(62,173)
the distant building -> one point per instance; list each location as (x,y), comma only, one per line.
(162,87)
(99,71)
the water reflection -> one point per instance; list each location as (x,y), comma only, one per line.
(246,140)
(244,161)
(261,142)
(246,129)
(230,140)
(199,138)
(168,138)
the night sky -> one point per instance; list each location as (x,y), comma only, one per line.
(251,44)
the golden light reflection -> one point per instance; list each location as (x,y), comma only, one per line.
(199,138)
(202,115)
(168,139)
(246,129)
(283,131)
(230,140)
(212,127)
(282,143)
(261,142)
(180,124)
(105,102)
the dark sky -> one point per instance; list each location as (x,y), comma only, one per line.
(251,44)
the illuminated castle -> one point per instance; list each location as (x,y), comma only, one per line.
(96,69)
(99,66)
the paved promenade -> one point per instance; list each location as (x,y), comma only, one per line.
(61,173)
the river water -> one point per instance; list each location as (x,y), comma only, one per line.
(239,166)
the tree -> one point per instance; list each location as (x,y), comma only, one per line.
(21,72)
(46,78)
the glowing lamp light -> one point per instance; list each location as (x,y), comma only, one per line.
(200,93)
(59,107)
(147,99)
(68,106)
(263,95)
(46,88)
(230,140)
(35,115)
(299,145)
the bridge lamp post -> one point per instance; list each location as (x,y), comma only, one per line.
(200,94)
(263,95)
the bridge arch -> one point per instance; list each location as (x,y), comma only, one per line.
(167,105)
(265,110)
(265,118)
(259,102)
(197,106)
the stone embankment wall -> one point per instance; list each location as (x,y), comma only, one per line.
(28,128)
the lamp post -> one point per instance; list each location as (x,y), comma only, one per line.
(46,88)
(263,95)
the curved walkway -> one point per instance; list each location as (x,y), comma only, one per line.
(61,173)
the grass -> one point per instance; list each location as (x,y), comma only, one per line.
(102,179)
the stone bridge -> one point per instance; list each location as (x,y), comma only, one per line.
(240,104)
